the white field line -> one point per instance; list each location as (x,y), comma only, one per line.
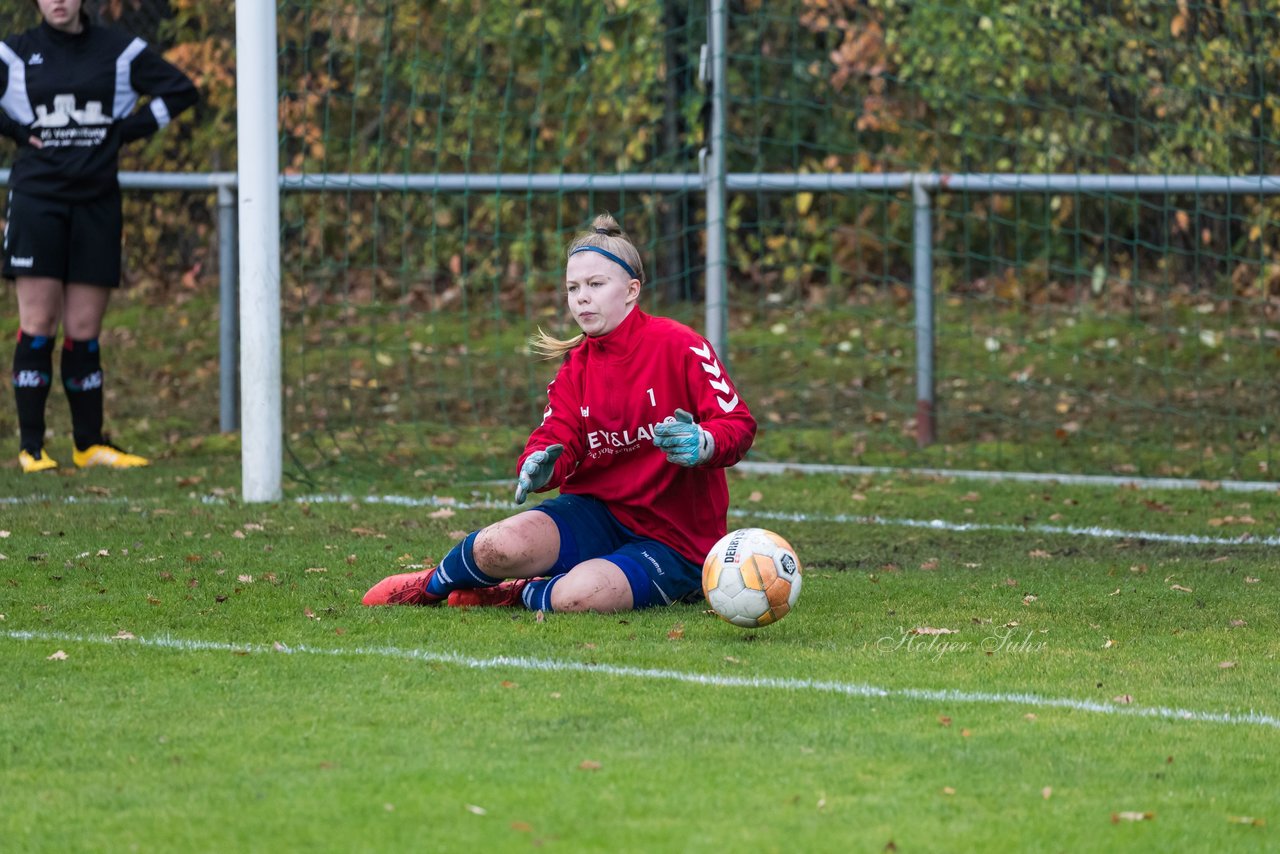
(1018,476)
(850,519)
(545,665)
(1072,530)
(836,518)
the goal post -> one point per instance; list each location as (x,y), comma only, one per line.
(262,433)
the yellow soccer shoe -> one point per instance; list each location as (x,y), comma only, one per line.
(109,456)
(39,461)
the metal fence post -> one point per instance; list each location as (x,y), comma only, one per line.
(714,176)
(228,314)
(922,247)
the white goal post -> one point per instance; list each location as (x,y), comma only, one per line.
(257,153)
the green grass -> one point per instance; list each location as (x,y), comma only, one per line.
(378,390)
(313,723)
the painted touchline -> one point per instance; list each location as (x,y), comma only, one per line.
(852,689)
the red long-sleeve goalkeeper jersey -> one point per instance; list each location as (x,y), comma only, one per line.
(602,406)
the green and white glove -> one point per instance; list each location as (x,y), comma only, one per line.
(536,471)
(685,442)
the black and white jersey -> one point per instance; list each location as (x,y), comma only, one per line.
(77,94)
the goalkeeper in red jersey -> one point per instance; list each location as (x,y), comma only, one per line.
(641,421)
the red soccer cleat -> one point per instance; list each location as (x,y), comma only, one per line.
(504,595)
(407,588)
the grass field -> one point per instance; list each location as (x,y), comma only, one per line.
(182,672)
(392,387)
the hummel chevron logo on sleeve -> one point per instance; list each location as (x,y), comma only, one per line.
(712,367)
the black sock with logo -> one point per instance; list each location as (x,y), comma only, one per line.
(82,380)
(32,376)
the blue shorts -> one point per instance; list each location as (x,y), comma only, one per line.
(657,573)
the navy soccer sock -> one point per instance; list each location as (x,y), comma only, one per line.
(32,376)
(82,380)
(537,593)
(458,570)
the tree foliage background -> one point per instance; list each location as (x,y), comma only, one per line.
(1126,86)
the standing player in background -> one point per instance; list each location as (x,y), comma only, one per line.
(640,424)
(69,91)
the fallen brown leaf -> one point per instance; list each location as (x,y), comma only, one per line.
(57,656)
(589,765)
(1123,699)
(1246,819)
(1117,817)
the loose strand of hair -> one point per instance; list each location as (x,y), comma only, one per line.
(549,347)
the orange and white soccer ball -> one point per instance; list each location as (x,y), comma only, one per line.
(751,578)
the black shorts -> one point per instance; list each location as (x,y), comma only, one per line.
(74,242)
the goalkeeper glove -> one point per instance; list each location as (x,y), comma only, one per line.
(685,442)
(536,471)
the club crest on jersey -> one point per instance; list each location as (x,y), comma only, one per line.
(718,381)
(36,59)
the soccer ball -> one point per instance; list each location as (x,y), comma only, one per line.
(751,578)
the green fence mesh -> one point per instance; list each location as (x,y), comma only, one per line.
(1081,332)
